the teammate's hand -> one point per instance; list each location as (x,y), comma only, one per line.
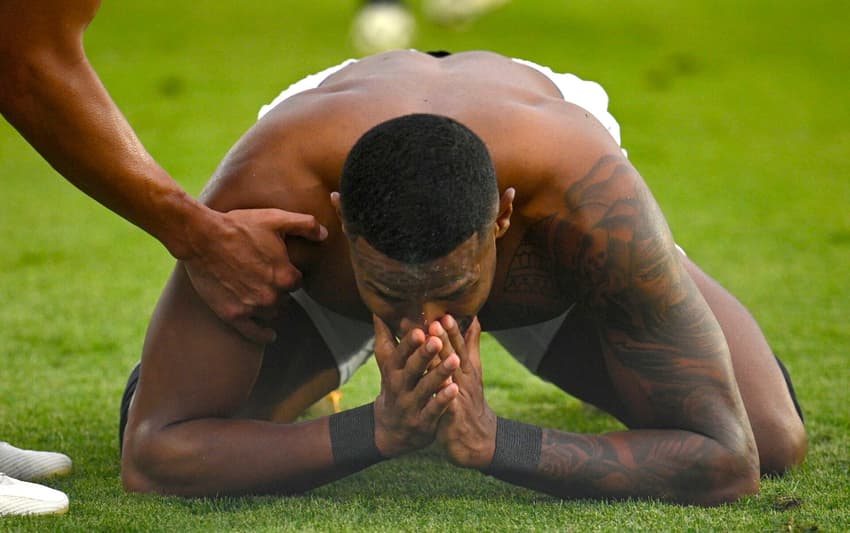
(467,431)
(411,400)
(239,264)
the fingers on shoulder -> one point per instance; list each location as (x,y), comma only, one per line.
(293,223)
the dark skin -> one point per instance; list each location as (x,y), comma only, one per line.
(651,339)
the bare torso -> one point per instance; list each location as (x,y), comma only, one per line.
(646,344)
(293,157)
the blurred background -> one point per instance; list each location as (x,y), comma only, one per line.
(735,112)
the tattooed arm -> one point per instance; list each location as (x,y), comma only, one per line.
(690,440)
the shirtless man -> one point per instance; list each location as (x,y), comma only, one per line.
(562,253)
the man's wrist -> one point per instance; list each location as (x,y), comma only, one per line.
(183,220)
(352,435)
(518,448)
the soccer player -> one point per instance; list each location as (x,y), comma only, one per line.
(464,193)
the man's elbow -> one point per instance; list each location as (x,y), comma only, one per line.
(743,482)
(134,479)
(732,476)
(157,463)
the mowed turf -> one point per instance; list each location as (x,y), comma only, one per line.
(734,112)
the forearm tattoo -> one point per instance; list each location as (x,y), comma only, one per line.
(640,464)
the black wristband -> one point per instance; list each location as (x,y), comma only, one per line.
(353,438)
(518,448)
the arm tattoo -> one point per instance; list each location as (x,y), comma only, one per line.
(614,255)
(609,243)
(648,463)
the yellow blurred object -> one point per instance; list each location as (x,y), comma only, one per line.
(334,397)
(328,405)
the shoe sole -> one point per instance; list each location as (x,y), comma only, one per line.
(25,507)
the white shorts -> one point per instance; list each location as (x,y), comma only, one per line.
(350,341)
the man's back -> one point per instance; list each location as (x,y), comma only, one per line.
(540,145)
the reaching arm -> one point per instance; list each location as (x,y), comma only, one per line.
(51,94)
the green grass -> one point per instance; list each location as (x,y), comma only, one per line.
(735,112)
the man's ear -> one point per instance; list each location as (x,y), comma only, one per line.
(506,209)
(335,202)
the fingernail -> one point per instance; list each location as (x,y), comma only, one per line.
(323,232)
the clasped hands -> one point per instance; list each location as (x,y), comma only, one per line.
(432,388)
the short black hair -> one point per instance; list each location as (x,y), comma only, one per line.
(417,186)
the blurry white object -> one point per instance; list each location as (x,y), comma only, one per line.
(29,465)
(23,498)
(382,26)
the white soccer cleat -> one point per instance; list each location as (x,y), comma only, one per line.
(382,26)
(458,12)
(23,498)
(29,465)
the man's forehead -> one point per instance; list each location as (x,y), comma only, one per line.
(420,279)
(386,273)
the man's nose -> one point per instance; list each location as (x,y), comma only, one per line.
(421,316)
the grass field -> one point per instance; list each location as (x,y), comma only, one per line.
(735,112)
